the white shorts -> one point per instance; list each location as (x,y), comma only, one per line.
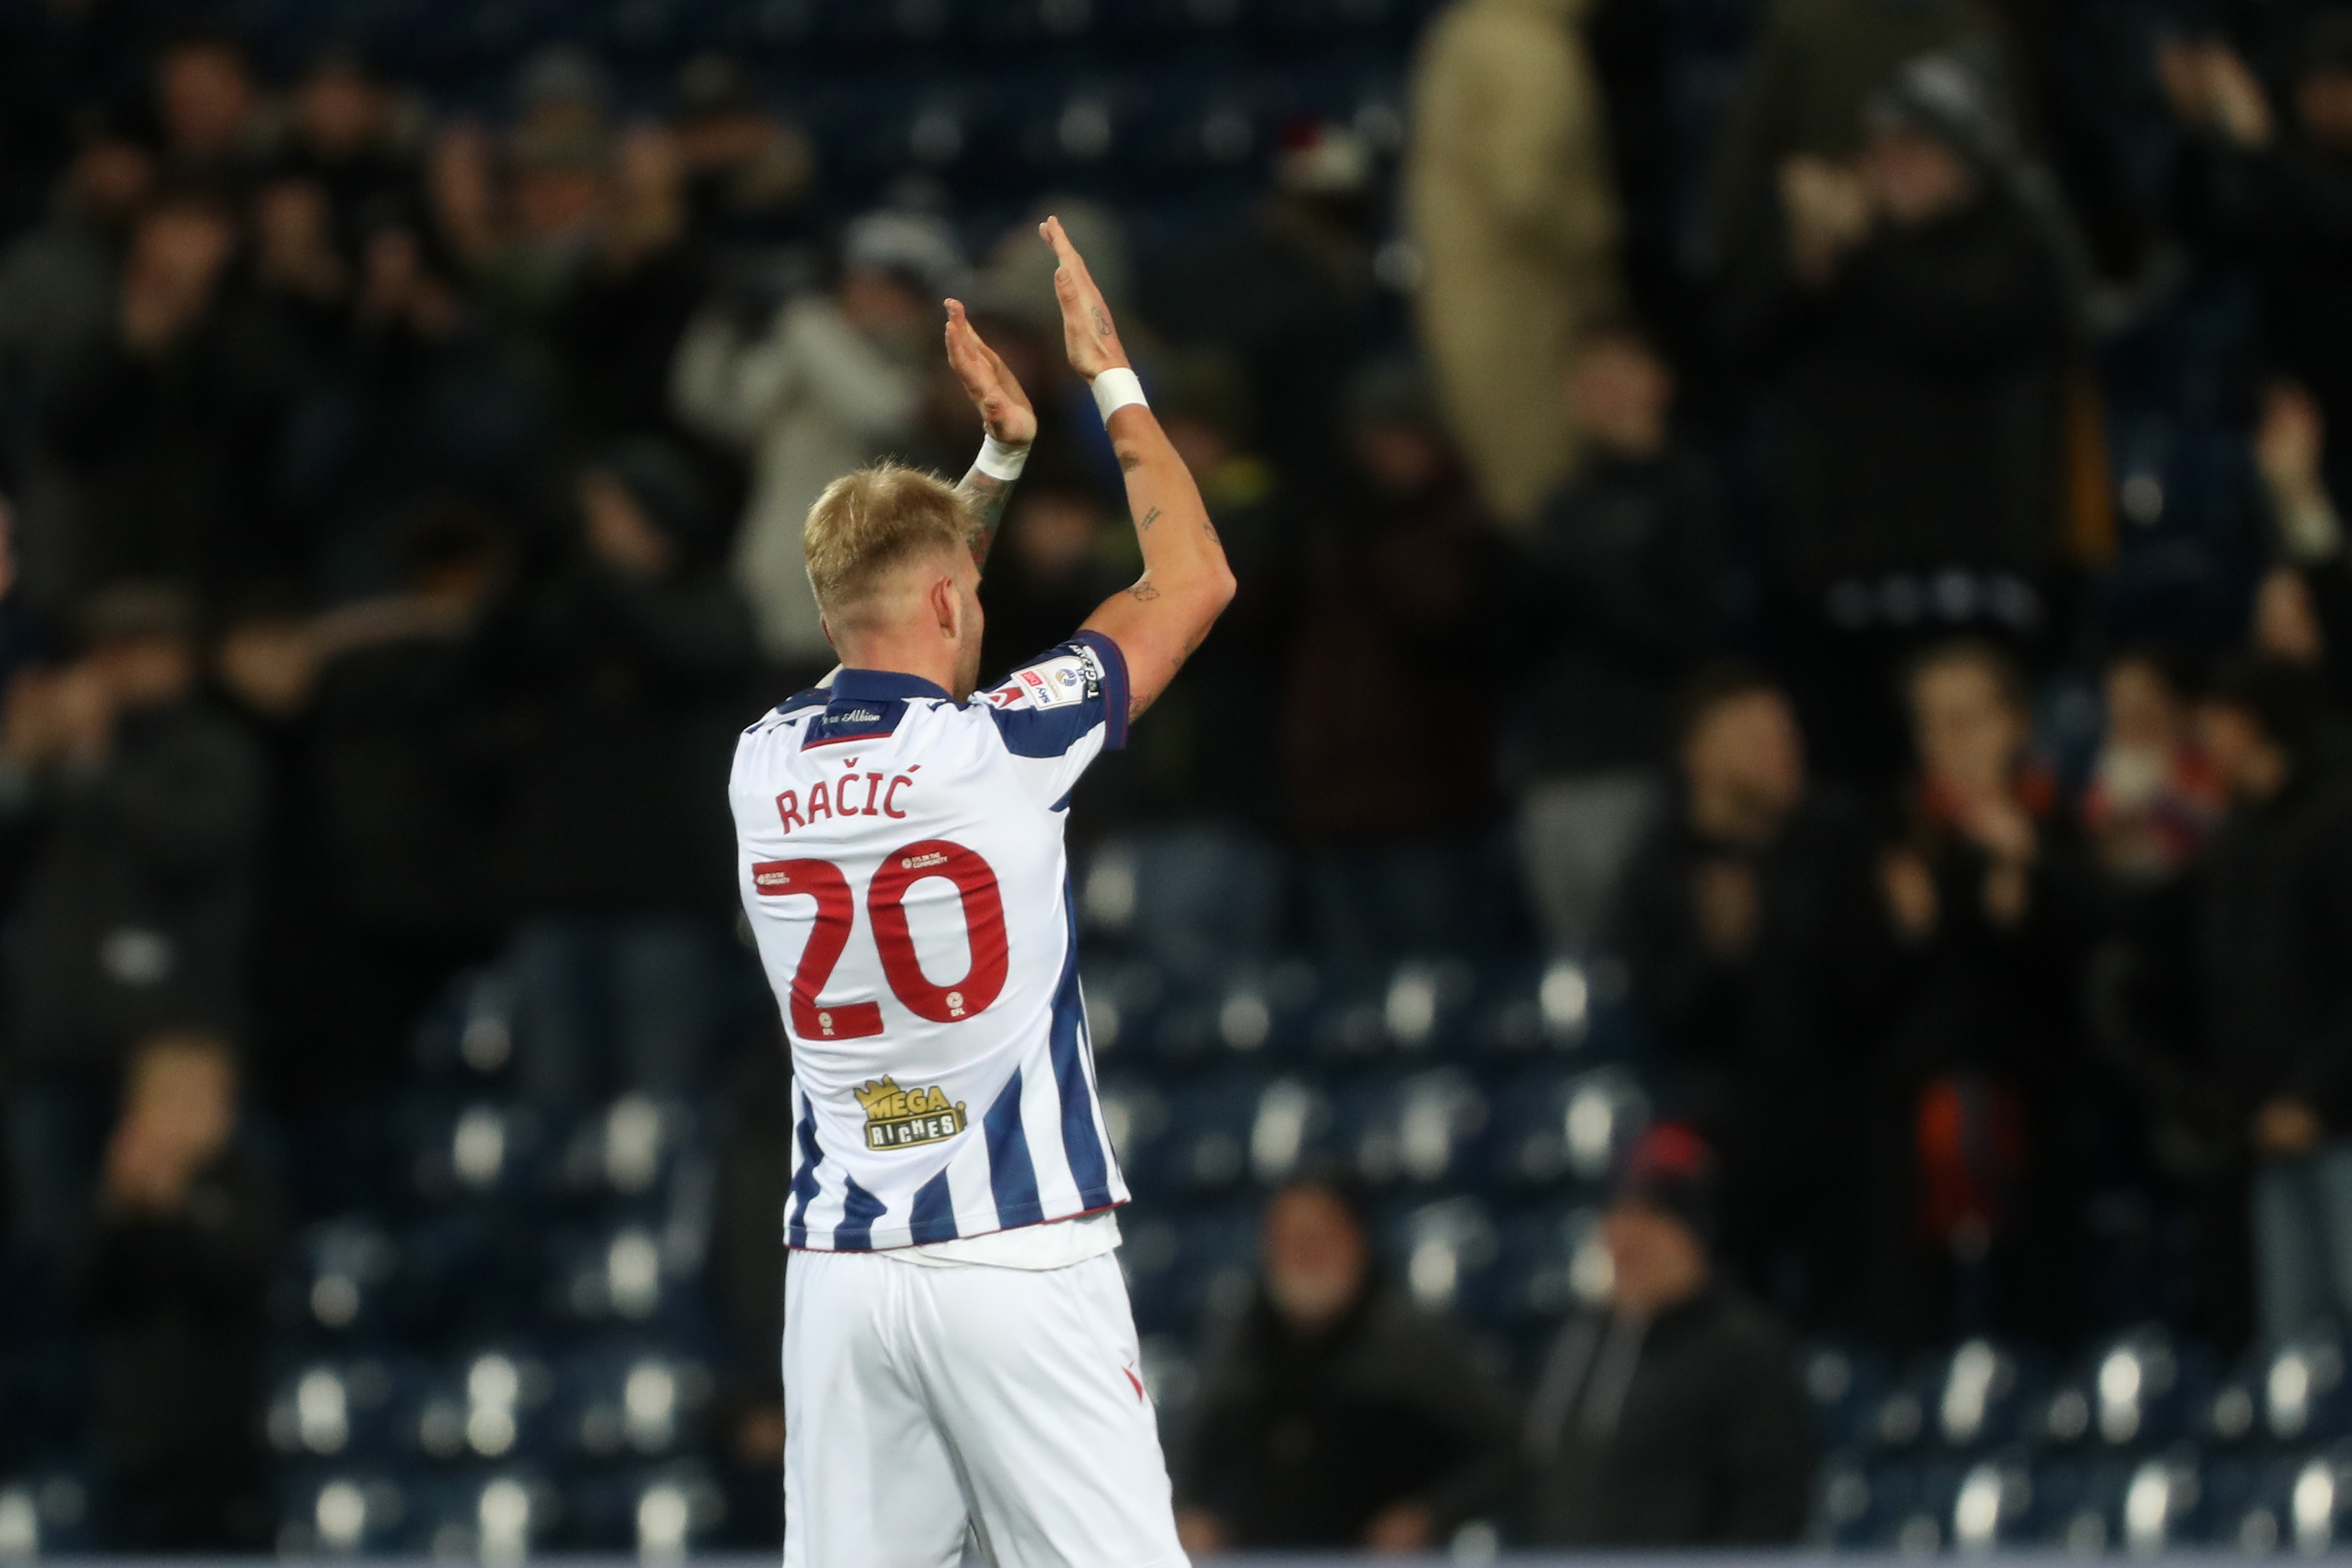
(921,1402)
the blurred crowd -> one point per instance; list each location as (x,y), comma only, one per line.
(1714,554)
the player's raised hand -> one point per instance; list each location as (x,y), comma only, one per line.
(1086,332)
(988,382)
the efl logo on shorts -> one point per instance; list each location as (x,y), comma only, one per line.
(901,1118)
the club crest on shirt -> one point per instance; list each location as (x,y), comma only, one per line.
(902,1118)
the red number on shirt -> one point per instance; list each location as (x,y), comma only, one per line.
(886,906)
(983,922)
(821,881)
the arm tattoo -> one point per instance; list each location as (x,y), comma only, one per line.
(986,495)
(1144,592)
(1143,525)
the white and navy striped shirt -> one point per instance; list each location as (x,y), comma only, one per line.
(902,864)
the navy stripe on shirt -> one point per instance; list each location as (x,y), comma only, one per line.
(1011,1179)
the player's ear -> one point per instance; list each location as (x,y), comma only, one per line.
(947,608)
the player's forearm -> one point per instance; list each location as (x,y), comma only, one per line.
(987,497)
(1182,557)
(987,488)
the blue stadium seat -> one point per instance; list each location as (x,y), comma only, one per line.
(487,1516)
(659,1515)
(475,1149)
(631,1153)
(491,1405)
(1845,1384)
(1422,1128)
(633,1275)
(1547,1262)
(1235,1128)
(1427,1008)
(639,1403)
(340,1410)
(1136,1114)
(1188,1273)
(337,1278)
(45,1512)
(345,1512)
(2142,1390)
(1556,1127)
(1977,1397)
(2298,1501)
(2145,1506)
(1123,1000)
(1444,1253)
(2304,1397)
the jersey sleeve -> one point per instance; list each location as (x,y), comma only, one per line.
(1060,710)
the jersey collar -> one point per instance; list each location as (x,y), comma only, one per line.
(881,686)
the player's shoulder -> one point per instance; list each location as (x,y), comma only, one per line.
(1049,703)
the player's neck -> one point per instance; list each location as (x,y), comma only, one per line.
(926,655)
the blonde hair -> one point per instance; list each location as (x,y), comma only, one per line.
(871,520)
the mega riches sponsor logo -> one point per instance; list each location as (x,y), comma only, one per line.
(902,1118)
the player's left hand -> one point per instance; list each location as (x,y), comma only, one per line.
(989,383)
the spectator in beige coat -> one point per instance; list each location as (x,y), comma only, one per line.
(1513,210)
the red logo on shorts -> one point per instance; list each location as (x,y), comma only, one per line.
(1133,1379)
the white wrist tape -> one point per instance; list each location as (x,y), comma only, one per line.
(1115,389)
(999,461)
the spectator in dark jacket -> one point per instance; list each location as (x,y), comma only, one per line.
(1337,1414)
(631,664)
(1909,329)
(1397,578)
(1673,1418)
(390,869)
(2277,971)
(143,809)
(1622,598)
(170,434)
(1980,1076)
(1749,922)
(172,1287)
(2274,191)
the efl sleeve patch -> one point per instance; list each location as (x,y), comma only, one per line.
(1050,683)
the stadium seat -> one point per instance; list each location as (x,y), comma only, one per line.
(1187,1273)
(1974,1397)
(2145,1506)
(338,1275)
(490,1516)
(344,1513)
(2300,1502)
(1556,1127)
(475,1149)
(2140,1390)
(45,1513)
(2303,1398)
(637,1403)
(493,1404)
(1547,1262)
(1421,1128)
(632,1275)
(1445,1254)
(1123,1000)
(1845,1384)
(1136,1114)
(659,1515)
(339,1410)
(632,1151)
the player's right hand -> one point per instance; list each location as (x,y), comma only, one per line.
(988,382)
(1087,334)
